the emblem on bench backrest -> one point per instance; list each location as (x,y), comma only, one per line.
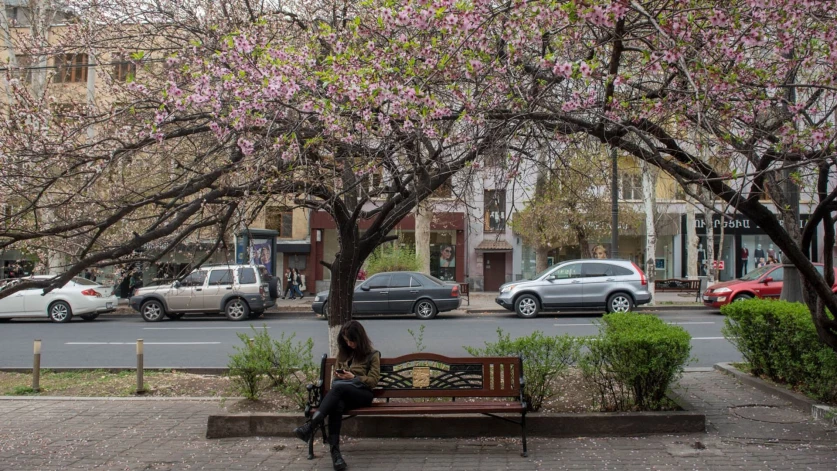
(431,375)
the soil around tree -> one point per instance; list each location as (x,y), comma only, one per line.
(573,394)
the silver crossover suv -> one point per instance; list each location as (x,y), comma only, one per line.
(611,285)
(238,291)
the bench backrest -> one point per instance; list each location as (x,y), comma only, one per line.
(432,375)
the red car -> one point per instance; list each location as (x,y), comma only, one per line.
(764,282)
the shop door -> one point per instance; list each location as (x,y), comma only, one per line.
(494,271)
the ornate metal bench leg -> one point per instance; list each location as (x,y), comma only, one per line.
(523,431)
(325,434)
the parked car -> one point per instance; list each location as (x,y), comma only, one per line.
(238,291)
(399,292)
(611,285)
(763,282)
(79,297)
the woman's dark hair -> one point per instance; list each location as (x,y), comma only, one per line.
(355,332)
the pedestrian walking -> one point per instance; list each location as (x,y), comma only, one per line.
(357,370)
(297,283)
(289,284)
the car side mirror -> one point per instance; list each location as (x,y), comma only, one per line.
(176,284)
(364,287)
(767,280)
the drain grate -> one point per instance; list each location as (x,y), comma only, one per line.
(771,414)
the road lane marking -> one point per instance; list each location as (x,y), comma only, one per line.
(197,328)
(709,338)
(146,343)
(670,323)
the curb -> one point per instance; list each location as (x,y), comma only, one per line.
(110,398)
(797,401)
(215,371)
(594,424)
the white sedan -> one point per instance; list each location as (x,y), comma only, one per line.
(79,296)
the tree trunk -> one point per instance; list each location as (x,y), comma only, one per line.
(692,241)
(424,214)
(541,256)
(649,200)
(792,286)
(710,246)
(344,271)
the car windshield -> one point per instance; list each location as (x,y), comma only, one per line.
(757,273)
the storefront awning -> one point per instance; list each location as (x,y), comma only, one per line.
(494,246)
(295,246)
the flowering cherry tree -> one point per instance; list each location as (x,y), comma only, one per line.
(235,101)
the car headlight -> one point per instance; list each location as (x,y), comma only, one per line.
(316,299)
(507,288)
(722,290)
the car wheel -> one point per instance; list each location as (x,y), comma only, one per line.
(89,317)
(256,314)
(60,311)
(742,297)
(152,311)
(527,306)
(237,310)
(273,288)
(619,302)
(175,315)
(425,309)
(7,319)
(324,315)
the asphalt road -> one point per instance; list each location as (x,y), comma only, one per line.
(207,341)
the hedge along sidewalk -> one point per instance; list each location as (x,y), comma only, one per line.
(796,400)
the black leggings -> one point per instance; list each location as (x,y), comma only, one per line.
(342,398)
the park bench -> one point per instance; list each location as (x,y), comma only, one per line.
(675,285)
(484,381)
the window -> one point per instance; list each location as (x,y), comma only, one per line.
(246,276)
(220,277)
(604,269)
(400,280)
(195,278)
(378,282)
(495,157)
(779,274)
(123,68)
(495,210)
(280,219)
(71,68)
(415,283)
(24,72)
(568,271)
(630,186)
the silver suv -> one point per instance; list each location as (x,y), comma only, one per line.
(238,291)
(612,285)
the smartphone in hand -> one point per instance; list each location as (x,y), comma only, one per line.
(341,371)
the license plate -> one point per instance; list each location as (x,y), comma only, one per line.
(109,305)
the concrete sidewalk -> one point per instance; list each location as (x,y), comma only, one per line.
(747,430)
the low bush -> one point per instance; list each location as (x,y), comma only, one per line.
(390,257)
(779,341)
(634,360)
(282,364)
(545,360)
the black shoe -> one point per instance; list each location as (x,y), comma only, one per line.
(337,459)
(306,430)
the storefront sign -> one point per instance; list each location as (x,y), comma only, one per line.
(718,264)
(739,225)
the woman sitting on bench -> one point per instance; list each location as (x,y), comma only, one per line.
(357,370)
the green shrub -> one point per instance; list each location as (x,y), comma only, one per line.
(282,364)
(545,359)
(779,341)
(634,360)
(390,257)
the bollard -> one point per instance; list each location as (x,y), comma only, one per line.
(36,367)
(140,386)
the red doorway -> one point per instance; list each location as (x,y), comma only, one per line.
(494,270)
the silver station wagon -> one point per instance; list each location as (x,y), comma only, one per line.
(578,285)
(238,291)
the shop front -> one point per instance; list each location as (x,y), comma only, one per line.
(447,245)
(745,246)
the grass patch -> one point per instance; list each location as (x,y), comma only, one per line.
(100,383)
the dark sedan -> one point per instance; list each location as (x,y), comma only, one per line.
(399,293)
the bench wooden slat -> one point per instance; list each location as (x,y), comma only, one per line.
(396,408)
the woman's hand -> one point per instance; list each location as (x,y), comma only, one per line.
(346,375)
